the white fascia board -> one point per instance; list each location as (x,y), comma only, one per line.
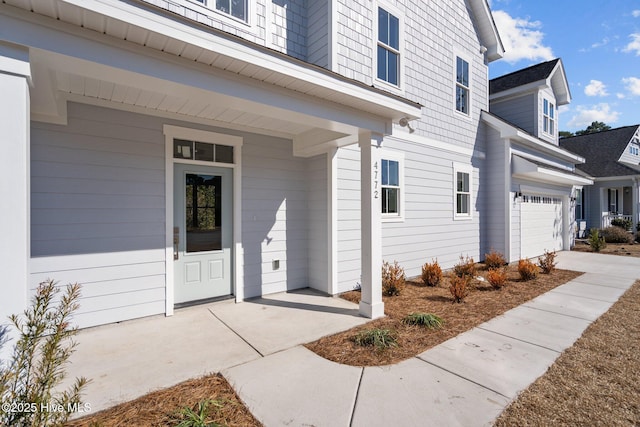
(133,15)
(616,178)
(508,131)
(528,170)
(488,30)
(562,94)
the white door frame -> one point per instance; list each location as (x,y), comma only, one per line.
(171,132)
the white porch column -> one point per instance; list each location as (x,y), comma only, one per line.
(371,304)
(15,249)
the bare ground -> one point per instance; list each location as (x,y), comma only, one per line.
(624,249)
(595,382)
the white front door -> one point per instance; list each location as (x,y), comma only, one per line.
(203,232)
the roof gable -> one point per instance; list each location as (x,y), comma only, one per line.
(602,151)
(550,73)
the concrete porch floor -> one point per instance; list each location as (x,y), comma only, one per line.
(129,359)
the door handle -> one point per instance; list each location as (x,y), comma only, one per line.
(176,242)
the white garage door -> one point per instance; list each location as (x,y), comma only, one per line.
(541,222)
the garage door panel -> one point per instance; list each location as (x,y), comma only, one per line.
(541,225)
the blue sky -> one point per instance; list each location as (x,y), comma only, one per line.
(599,43)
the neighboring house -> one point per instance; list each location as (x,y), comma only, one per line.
(613,162)
(533,212)
(166,152)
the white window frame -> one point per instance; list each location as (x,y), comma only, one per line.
(209,6)
(612,196)
(579,207)
(456,84)
(398,88)
(548,117)
(467,169)
(396,157)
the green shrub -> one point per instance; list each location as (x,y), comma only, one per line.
(497,277)
(458,288)
(596,242)
(465,268)
(494,260)
(393,279)
(428,320)
(377,337)
(527,269)
(547,262)
(37,365)
(616,235)
(431,274)
(623,223)
(198,416)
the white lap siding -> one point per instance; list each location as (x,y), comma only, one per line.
(428,230)
(97,211)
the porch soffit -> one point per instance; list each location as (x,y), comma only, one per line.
(205,45)
(534,171)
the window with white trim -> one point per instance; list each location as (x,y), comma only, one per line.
(235,8)
(613,200)
(579,204)
(392,186)
(463,183)
(388,53)
(463,88)
(549,117)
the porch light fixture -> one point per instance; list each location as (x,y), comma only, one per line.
(404,122)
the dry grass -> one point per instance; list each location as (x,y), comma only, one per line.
(482,303)
(624,249)
(594,382)
(161,407)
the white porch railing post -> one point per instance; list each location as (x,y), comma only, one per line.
(371,304)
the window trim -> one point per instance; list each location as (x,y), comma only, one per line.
(399,88)
(397,157)
(549,118)
(208,6)
(468,169)
(469,88)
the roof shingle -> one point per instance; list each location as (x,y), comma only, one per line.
(522,77)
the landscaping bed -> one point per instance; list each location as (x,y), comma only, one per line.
(482,304)
(624,249)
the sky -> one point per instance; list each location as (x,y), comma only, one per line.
(598,42)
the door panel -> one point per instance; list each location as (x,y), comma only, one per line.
(203,219)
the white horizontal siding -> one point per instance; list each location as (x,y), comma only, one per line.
(97,211)
(275,213)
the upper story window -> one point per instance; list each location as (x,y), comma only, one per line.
(633,150)
(388,47)
(549,114)
(235,8)
(462,85)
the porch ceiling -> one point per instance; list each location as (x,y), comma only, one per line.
(139,29)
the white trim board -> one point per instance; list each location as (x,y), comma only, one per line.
(170,132)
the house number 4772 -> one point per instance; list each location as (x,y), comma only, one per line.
(375,180)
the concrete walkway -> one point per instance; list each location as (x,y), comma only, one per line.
(465,381)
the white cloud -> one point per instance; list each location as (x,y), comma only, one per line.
(585,115)
(595,88)
(634,45)
(632,84)
(620,95)
(522,38)
(636,13)
(605,41)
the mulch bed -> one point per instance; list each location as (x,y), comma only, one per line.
(596,382)
(624,249)
(161,407)
(482,304)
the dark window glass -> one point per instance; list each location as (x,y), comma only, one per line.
(224,154)
(203,212)
(204,152)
